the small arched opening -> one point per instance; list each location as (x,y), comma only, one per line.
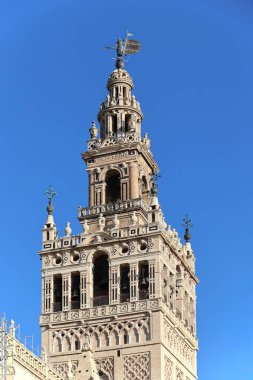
(112,191)
(100,279)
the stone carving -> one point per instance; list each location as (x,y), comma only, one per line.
(65,257)
(132,247)
(45,318)
(47,261)
(150,245)
(105,366)
(153,304)
(56,317)
(115,221)
(136,366)
(82,256)
(101,223)
(168,369)
(104,334)
(179,374)
(85,227)
(111,157)
(113,250)
(178,345)
(63,367)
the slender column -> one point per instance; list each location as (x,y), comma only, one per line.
(114,281)
(91,190)
(83,290)
(152,279)
(134,181)
(43,295)
(134,289)
(180,300)
(119,129)
(103,189)
(66,291)
(109,124)
(89,293)
(123,122)
(48,291)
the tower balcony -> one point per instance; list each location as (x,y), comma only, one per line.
(112,208)
(114,139)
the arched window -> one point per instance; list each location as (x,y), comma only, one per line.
(100,279)
(112,192)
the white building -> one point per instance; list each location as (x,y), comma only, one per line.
(17,362)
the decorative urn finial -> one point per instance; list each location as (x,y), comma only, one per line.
(68,229)
(93,131)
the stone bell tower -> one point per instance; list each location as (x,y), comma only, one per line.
(122,292)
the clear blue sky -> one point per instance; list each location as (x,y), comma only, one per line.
(194,79)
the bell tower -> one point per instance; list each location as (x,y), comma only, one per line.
(122,292)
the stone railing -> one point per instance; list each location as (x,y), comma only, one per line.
(113,140)
(114,310)
(101,311)
(32,362)
(112,207)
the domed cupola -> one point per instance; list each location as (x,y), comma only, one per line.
(120,114)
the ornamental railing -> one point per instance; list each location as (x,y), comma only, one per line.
(111,207)
(32,362)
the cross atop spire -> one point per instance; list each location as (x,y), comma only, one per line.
(50,194)
(187,223)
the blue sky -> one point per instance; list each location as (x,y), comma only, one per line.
(194,79)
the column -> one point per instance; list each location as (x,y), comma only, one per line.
(89,285)
(151,273)
(66,291)
(114,281)
(83,290)
(119,128)
(123,123)
(124,195)
(103,188)
(180,300)
(91,189)
(48,294)
(109,124)
(134,289)
(134,181)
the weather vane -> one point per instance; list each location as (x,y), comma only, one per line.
(50,194)
(124,47)
(187,223)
